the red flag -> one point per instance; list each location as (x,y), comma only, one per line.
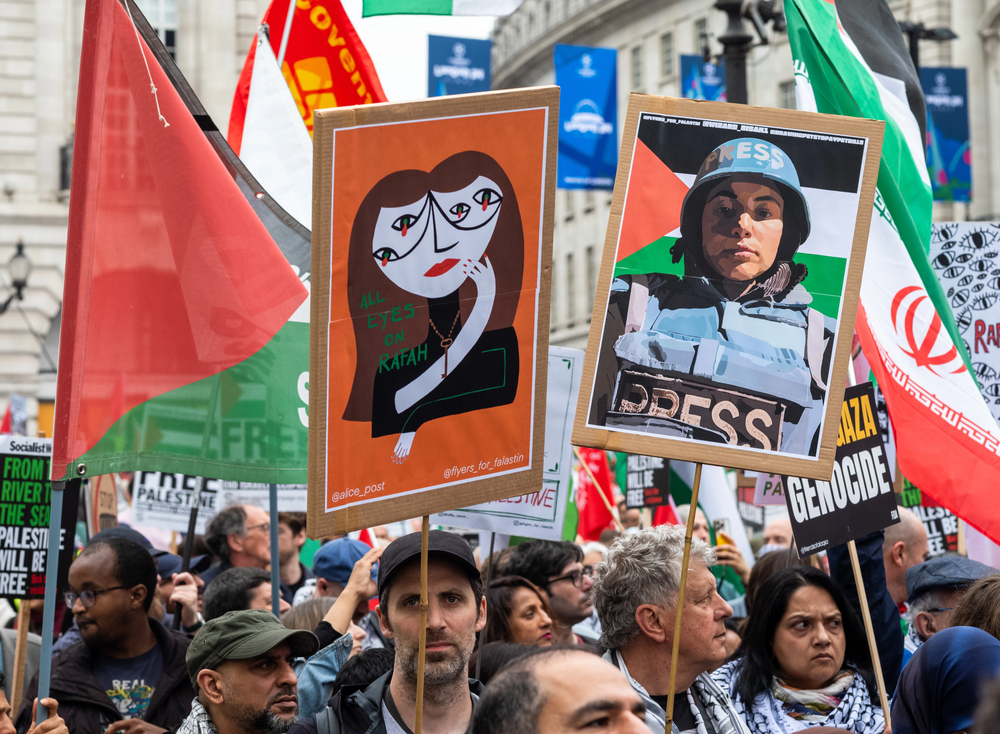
(170,275)
(325,63)
(594,515)
(366,537)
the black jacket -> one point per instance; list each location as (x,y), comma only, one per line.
(358,710)
(85,705)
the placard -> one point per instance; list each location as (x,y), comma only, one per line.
(431,264)
(538,514)
(725,306)
(163,500)
(25,503)
(858,499)
(940,523)
(647,481)
(751,514)
(768,490)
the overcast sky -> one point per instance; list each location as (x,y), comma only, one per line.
(398,45)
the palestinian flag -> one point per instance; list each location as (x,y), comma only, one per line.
(183,348)
(850,60)
(439,7)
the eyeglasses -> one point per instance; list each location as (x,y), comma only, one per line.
(575,577)
(263,526)
(88,598)
(940,609)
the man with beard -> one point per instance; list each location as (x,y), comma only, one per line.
(456,612)
(128,675)
(241,666)
(557,567)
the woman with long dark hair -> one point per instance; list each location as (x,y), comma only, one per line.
(804,661)
(518,612)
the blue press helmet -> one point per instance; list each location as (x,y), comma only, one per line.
(742,156)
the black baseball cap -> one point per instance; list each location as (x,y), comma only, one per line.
(170,563)
(439,545)
(241,635)
(944,572)
(124,531)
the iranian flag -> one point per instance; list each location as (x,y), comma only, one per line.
(439,7)
(183,347)
(850,60)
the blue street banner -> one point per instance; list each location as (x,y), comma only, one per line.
(588,115)
(702,79)
(457,65)
(949,158)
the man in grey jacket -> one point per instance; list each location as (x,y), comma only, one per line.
(637,605)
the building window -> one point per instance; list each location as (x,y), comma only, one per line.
(570,291)
(667,54)
(588,201)
(546,13)
(786,95)
(637,67)
(569,206)
(701,34)
(162,15)
(591,273)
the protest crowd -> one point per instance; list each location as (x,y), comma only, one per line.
(563,637)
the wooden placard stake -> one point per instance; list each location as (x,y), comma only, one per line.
(20,653)
(685,559)
(870,632)
(422,644)
(600,489)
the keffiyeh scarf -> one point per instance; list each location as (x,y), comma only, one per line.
(912,641)
(715,700)
(812,706)
(197,722)
(767,714)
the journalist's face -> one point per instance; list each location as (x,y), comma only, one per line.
(741,227)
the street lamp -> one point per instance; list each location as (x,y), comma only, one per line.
(737,41)
(917,32)
(20,268)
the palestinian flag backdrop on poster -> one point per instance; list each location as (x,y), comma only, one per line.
(189,354)
(850,60)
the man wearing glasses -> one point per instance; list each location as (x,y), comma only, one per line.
(240,537)
(557,567)
(129,674)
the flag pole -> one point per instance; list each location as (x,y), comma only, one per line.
(189,539)
(866,615)
(685,559)
(286,33)
(600,489)
(489,574)
(422,638)
(20,653)
(275,563)
(51,574)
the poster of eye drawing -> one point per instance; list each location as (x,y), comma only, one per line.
(433,229)
(729,285)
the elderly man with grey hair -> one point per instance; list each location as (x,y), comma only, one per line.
(635,595)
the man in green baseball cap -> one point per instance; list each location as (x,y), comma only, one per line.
(241,669)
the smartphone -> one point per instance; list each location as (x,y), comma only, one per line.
(721,527)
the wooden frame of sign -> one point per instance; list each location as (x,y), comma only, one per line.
(388,440)
(705,350)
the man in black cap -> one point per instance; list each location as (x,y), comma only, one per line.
(933,589)
(241,668)
(456,612)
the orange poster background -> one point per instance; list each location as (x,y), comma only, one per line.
(362,157)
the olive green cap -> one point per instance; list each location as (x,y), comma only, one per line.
(242,635)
